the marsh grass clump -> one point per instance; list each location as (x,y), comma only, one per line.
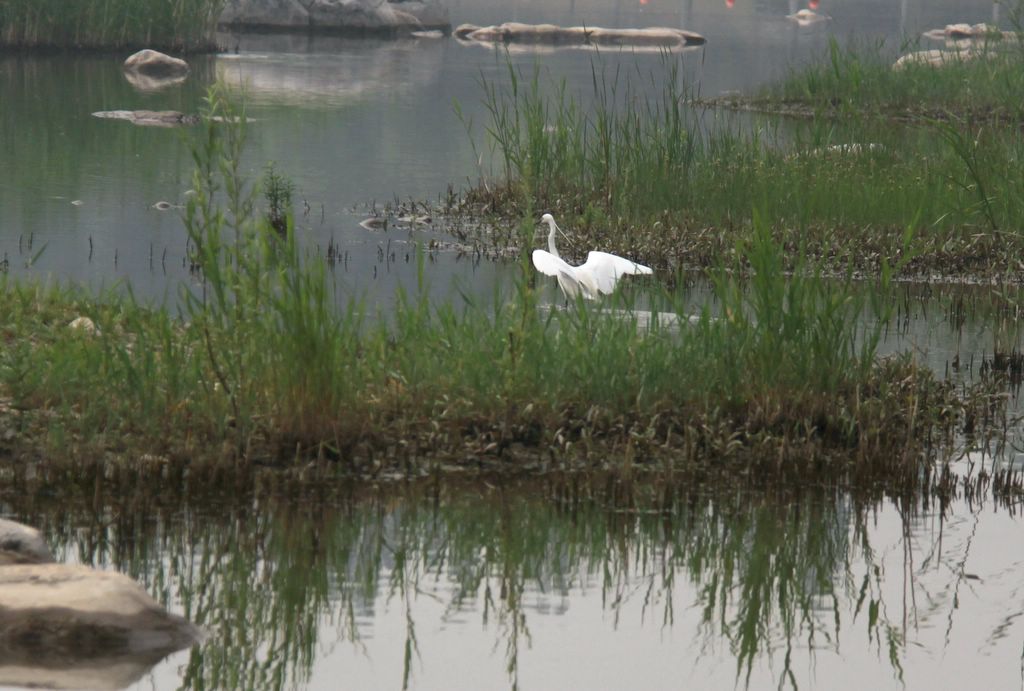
(263,366)
(649,179)
(181,25)
(979,80)
(277,192)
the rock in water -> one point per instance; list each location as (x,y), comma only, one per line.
(935,58)
(20,544)
(336,16)
(807,17)
(73,608)
(149,118)
(270,14)
(155,64)
(464,30)
(551,35)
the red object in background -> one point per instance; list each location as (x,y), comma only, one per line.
(730,3)
(814,4)
(644,2)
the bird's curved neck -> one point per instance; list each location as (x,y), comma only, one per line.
(551,239)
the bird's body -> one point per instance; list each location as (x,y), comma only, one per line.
(597,275)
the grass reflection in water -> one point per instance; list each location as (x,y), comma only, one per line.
(765,584)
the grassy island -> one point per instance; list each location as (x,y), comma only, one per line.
(778,376)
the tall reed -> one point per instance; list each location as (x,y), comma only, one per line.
(649,177)
(977,79)
(181,25)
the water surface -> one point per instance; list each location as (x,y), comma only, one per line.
(557,584)
(353,122)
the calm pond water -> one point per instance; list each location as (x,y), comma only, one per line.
(352,122)
(553,585)
(539,585)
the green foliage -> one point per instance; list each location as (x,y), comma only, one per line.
(982,80)
(277,192)
(264,365)
(167,24)
(641,177)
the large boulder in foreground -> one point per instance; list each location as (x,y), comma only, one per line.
(20,544)
(77,611)
(72,626)
(152,63)
(336,16)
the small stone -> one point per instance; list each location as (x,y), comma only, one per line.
(84,324)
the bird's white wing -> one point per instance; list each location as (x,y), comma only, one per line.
(605,269)
(550,265)
(568,280)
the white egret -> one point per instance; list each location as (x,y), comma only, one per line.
(597,275)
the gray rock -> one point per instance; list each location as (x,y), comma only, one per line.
(549,34)
(464,30)
(155,64)
(149,118)
(336,16)
(935,58)
(77,611)
(360,15)
(20,544)
(266,13)
(430,15)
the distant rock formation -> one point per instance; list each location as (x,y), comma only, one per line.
(551,35)
(962,32)
(336,16)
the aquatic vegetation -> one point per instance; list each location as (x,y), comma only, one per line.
(653,180)
(976,80)
(277,192)
(756,581)
(262,366)
(183,25)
